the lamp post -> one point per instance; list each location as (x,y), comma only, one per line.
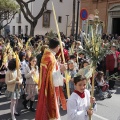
(78,5)
(67,24)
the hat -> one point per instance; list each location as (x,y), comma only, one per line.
(113,45)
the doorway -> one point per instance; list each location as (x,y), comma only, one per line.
(116,26)
(19,30)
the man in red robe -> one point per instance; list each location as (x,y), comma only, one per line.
(50,80)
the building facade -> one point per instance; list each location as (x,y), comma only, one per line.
(46,23)
(109,13)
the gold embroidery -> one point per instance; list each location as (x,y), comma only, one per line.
(41,64)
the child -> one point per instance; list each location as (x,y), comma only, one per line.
(81,58)
(23,64)
(28,55)
(73,57)
(84,71)
(79,102)
(31,72)
(72,72)
(13,81)
(101,82)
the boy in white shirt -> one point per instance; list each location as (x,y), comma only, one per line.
(78,105)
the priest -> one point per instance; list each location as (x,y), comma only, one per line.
(50,80)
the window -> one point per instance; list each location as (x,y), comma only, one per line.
(13,30)
(59,19)
(26,29)
(61,0)
(46,19)
(19,30)
(19,17)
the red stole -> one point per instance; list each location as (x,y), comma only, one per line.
(82,95)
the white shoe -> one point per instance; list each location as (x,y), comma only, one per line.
(13,118)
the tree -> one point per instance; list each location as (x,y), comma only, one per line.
(8,9)
(32,20)
(73,18)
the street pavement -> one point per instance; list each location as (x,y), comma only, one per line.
(108,109)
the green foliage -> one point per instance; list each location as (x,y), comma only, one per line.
(8,5)
(37,50)
(8,8)
(94,48)
(94,45)
(51,35)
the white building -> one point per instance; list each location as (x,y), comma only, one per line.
(62,7)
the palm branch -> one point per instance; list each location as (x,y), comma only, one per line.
(115,77)
(51,35)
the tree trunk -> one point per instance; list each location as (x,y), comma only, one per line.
(24,7)
(32,28)
(73,18)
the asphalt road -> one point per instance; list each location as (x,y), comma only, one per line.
(108,109)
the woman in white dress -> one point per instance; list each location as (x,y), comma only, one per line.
(78,105)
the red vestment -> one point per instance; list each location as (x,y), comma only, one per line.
(47,106)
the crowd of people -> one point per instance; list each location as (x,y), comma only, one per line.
(42,73)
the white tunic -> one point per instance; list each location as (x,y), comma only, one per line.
(57,81)
(23,67)
(57,77)
(76,106)
(56,74)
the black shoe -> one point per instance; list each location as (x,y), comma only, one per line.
(32,109)
(16,114)
(31,106)
(25,104)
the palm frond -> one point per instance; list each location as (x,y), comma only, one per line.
(51,35)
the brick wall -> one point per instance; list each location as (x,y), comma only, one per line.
(102,6)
